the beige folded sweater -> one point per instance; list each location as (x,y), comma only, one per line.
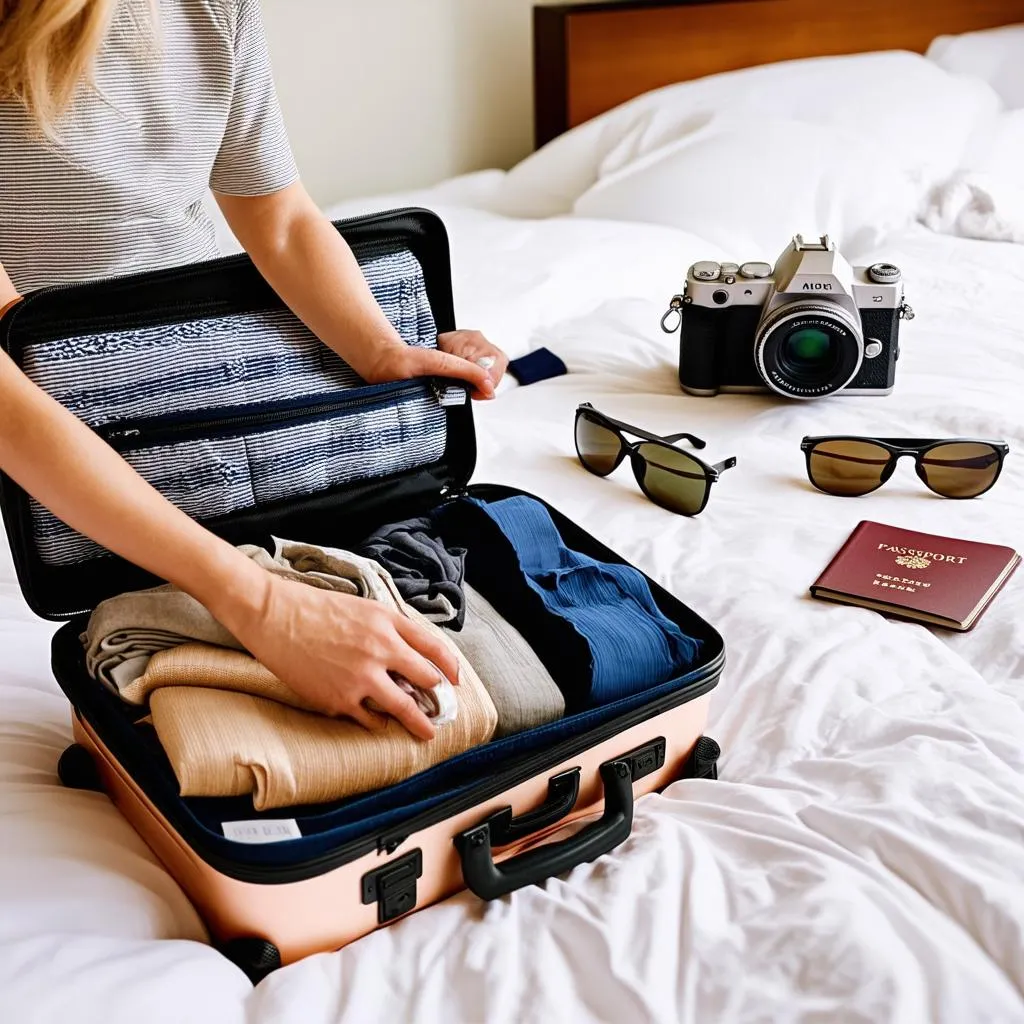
(226,742)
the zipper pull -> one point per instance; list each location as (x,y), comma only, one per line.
(120,435)
(447,393)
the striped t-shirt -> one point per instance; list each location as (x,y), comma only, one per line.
(173,113)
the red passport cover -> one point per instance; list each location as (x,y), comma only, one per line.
(940,581)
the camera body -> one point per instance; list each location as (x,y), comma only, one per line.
(810,326)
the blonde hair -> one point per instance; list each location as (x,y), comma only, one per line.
(47,49)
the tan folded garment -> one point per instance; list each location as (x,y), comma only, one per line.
(225,743)
(223,669)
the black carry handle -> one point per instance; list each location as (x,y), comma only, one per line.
(488,880)
(563,791)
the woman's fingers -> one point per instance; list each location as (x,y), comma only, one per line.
(430,647)
(432,362)
(368,719)
(472,345)
(397,703)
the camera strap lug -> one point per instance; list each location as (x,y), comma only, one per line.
(674,309)
(906,311)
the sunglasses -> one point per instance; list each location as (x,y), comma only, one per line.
(953,468)
(671,478)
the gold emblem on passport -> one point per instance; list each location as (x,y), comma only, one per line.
(912,561)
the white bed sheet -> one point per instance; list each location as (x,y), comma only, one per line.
(860,858)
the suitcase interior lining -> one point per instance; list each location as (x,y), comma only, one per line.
(235,412)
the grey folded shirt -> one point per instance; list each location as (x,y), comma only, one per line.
(520,687)
(124,632)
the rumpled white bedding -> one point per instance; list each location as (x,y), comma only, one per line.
(860,858)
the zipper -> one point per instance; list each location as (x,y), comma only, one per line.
(150,432)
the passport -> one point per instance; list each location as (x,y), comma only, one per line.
(938,581)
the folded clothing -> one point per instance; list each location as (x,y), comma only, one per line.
(124,632)
(430,577)
(594,624)
(428,574)
(524,694)
(226,743)
(195,664)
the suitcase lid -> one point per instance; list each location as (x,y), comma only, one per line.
(187,370)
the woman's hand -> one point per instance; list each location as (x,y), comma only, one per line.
(457,355)
(336,650)
(305,260)
(474,347)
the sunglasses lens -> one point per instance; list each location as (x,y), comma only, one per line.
(847,468)
(961,470)
(598,447)
(672,479)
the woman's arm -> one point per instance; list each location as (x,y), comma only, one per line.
(308,264)
(8,293)
(334,649)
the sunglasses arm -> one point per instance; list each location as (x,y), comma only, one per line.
(674,438)
(720,467)
(648,436)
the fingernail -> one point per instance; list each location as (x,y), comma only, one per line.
(486,362)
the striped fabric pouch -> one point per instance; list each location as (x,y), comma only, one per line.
(227,413)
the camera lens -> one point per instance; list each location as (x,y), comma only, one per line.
(808,349)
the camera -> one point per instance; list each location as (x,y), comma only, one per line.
(809,327)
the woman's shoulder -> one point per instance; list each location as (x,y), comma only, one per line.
(223,16)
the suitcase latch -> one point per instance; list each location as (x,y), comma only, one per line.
(393,887)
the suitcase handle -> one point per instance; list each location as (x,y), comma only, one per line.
(489,880)
(563,792)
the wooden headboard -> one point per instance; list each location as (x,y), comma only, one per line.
(590,57)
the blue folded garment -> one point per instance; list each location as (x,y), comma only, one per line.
(594,624)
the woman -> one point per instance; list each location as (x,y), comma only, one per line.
(116,117)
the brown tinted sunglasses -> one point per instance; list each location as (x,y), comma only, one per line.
(954,468)
(671,478)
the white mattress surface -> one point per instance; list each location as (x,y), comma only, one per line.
(860,858)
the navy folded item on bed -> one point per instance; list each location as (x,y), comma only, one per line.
(233,412)
(594,624)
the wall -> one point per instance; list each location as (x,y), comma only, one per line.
(384,95)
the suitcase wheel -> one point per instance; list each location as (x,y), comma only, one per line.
(256,958)
(703,763)
(77,770)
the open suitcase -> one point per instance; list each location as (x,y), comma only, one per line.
(225,402)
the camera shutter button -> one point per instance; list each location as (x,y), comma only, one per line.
(872,348)
(753,271)
(884,273)
(706,270)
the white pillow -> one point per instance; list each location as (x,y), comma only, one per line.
(749,184)
(996,56)
(876,132)
(985,197)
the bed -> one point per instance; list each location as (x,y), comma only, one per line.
(860,857)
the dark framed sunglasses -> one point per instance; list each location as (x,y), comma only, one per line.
(849,466)
(671,478)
